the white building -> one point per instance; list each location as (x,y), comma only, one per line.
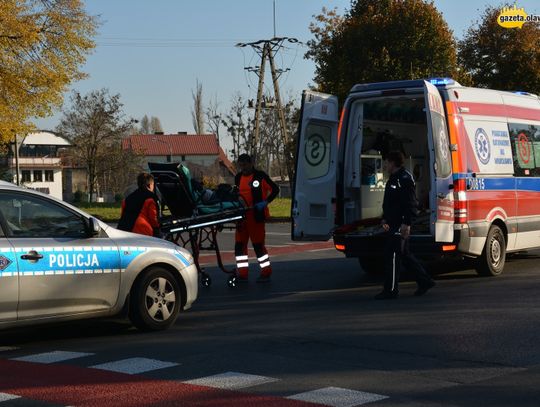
(40,165)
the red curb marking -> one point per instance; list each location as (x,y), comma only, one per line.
(273,251)
(74,385)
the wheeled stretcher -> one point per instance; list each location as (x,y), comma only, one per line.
(195,218)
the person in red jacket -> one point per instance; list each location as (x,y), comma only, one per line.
(257,190)
(140,208)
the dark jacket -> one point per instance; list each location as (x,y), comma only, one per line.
(400,204)
(139,213)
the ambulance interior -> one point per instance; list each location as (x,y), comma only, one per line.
(378,127)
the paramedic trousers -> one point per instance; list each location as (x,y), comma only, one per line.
(246,230)
(396,252)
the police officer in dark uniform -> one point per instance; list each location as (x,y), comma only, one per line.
(399,208)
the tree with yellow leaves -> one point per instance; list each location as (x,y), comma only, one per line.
(43,44)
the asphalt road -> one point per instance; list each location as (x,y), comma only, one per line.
(313,333)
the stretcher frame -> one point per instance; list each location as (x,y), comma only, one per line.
(199,232)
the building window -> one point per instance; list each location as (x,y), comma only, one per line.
(183,158)
(25,176)
(38,176)
(49,176)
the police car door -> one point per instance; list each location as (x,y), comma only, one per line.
(315,176)
(62,269)
(9,279)
(441,196)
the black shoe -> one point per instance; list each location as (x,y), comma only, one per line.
(263,279)
(386,295)
(424,288)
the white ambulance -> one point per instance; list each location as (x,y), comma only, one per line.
(474,153)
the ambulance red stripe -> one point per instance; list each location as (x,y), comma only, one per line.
(496,110)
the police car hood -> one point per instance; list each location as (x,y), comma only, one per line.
(123,238)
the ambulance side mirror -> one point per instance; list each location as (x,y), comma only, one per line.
(93,227)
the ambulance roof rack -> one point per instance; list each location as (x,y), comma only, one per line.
(406,84)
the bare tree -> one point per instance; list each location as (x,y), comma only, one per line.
(155,125)
(239,125)
(214,117)
(145,125)
(95,125)
(197,113)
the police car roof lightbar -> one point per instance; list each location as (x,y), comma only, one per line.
(441,81)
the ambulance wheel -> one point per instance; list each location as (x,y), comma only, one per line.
(231,282)
(206,281)
(491,262)
(155,300)
(371,265)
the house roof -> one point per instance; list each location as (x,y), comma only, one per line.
(223,159)
(46,138)
(173,144)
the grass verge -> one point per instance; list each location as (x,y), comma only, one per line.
(110,212)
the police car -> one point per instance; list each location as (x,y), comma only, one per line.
(58,263)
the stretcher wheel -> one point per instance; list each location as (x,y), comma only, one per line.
(206,281)
(231,282)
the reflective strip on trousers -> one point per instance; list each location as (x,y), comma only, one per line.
(265,264)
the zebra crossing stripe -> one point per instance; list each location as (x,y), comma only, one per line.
(134,365)
(338,397)
(231,380)
(7,397)
(52,357)
(8,348)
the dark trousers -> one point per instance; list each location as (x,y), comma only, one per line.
(396,252)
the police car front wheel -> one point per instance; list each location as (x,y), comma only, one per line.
(155,300)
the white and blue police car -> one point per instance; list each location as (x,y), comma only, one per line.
(59,263)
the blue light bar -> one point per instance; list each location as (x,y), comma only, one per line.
(520,92)
(441,81)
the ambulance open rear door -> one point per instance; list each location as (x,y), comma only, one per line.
(442,196)
(316,166)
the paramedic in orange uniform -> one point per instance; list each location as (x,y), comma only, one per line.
(257,190)
(140,208)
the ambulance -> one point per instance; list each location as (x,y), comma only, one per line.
(474,154)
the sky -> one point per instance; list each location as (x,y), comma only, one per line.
(152,52)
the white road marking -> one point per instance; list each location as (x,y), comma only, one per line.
(8,348)
(134,365)
(52,357)
(338,397)
(6,397)
(231,380)
(321,250)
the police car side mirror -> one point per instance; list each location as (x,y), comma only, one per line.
(93,227)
